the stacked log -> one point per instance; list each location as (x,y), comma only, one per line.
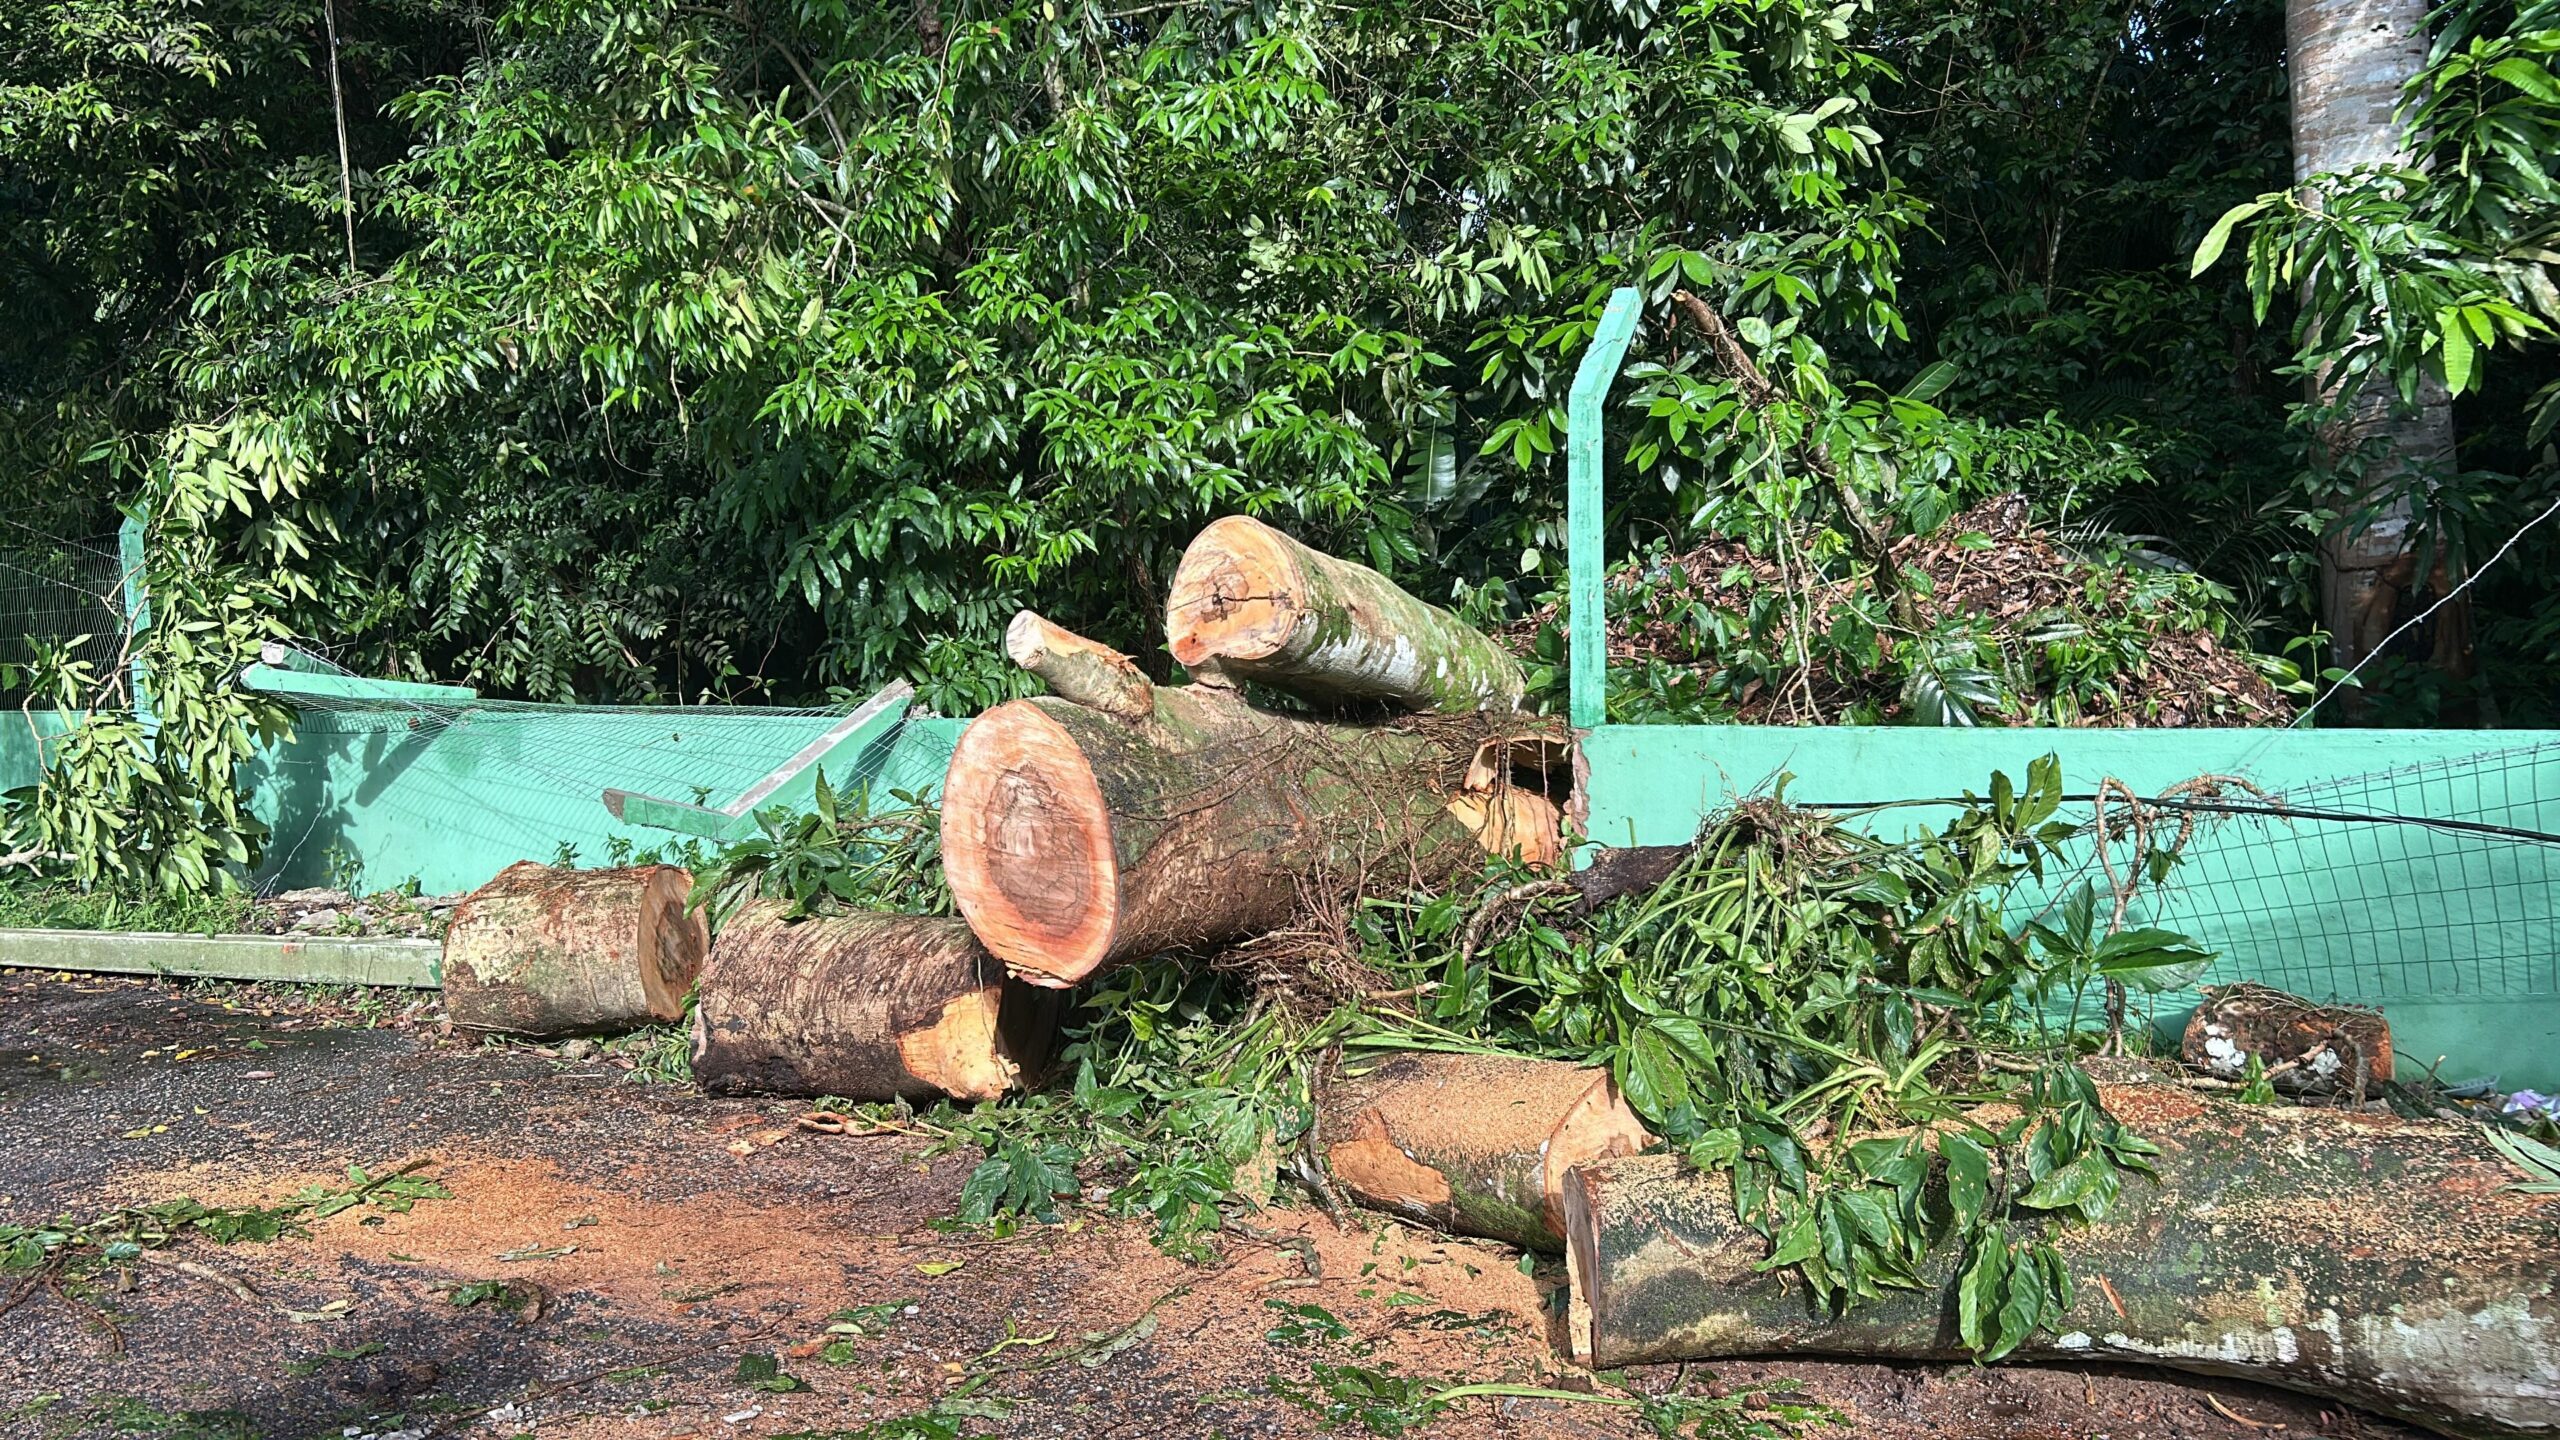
(545,952)
(1078,834)
(1115,817)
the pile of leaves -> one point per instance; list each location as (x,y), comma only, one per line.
(2022,630)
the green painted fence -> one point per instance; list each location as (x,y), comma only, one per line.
(2456,933)
(377,799)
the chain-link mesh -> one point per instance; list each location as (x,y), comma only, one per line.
(2386,906)
(55,593)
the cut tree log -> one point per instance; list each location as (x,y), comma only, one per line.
(1261,606)
(2306,1048)
(542,951)
(1074,838)
(2377,1261)
(1475,1144)
(862,1006)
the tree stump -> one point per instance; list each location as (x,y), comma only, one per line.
(2382,1262)
(862,1006)
(1475,1144)
(540,951)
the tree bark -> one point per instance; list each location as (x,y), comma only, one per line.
(863,1006)
(2348,61)
(1476,1144)
(2378,1261)
(1264,607)
(541,951)
(1073,838)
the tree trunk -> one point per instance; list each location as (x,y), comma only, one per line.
(1073,838)
(1263,607)
(540,951)
(1476,1144)
(2348,61)
(2378,1261)
(862,1006)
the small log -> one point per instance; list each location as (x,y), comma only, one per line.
(2378,1261)
(1074,837)
(2306,1048)
(1085,671)
(1264,607)
(862,1006)
(1475,1144)
(542,951)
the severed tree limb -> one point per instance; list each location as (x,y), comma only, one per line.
(1267,608)
(1074,837)
(544,951)
(864,1006)
(1086,671)
(1476,1144)
(2383,1262)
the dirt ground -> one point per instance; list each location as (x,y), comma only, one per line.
(655,1238)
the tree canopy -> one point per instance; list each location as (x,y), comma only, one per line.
(760,349)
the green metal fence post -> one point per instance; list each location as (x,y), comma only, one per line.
(1586,508)
(137,618)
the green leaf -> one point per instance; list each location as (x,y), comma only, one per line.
(2066,1186)
(2457,349)
(1968,1178)
(2528,77)
(2219,236)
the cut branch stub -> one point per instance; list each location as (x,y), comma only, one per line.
(1075,668)
(863,1006)
(543,951)
(1073,838)
(2378,1261)
(1476,1144)
(1263,607)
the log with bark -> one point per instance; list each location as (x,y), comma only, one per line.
(1074,837)
(1476,1144)
(1260,606)
(2304,1048)
(2379,1261)
(863,1006)
(541,951)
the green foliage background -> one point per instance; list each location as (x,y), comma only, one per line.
(754,349)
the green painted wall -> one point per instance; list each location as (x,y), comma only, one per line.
(22,740)
(372,798)
(2457,937)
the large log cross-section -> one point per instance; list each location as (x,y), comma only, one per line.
(1075,836)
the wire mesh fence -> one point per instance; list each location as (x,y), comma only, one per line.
(2431,881)
(60,592)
